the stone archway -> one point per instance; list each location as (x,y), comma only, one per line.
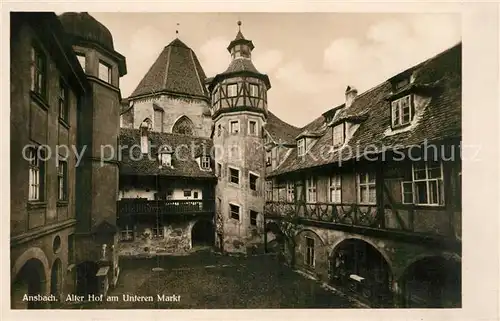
(203,233)
(184,126)
(29,281)
(86,278)
(432,282)
(361,268)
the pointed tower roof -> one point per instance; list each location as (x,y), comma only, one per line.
(177,70)
(240,39)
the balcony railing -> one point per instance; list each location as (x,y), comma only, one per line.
(164,207)
(436,221)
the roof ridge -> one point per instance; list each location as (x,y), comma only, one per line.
(164,84)
(196,70)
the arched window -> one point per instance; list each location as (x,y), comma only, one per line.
(184,126)
(158,118)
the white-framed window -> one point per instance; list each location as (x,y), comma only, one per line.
(81,60)
(301,147)
(62,181)
(166,159)
(366,188)
(402,111)
(127,233)
(338,135)
(335,188)
(252,128)
(104,72)
(234,126)
(269,190)
(253,217)
(187,193)
(309,258)
(36,175)
(157,231)
(253,181)
(426,187)
(290,192)
(254,90)
(234,175)
(232,90)
(234,211)
(311,190)
(205,162)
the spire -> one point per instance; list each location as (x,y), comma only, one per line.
(246,45)
(177,30)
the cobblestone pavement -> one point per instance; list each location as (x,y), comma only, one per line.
(206,280)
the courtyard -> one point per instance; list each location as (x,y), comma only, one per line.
(204,280)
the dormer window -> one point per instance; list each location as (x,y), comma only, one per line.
(254,90)
(232,90)
(338,135)
(402,111)
(165,159)
(301,147)
(401,83)
(205,162)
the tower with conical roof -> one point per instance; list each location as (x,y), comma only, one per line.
(98,130)
(239,111)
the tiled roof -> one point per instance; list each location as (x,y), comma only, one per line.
(440,120)
(281,131)
(176,70)
(183,159)
(84,26)
(240,64)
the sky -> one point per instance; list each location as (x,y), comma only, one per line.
(310,58)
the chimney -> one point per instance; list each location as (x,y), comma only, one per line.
(350,95)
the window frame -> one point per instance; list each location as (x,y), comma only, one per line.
(205,162)
(187,192)
(367,185)
(127,232)
(256,130)
(335,187)
(253,219)
(269,190)
(38,71)
(160,232)
(109,79)
(250,175)
(311,189)
(229,92)
(237,127)
(63,101)
(336,143)
(36,176)
(301,147)
(251,88)
(397,111)
(439,185)
(231,213)
(165,159)
(62,181)
(310,254)
(230,176)
(290,192)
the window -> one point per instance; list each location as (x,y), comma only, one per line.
(232,90)
(253,218)
(311,190)
(290,192)
(253,182)
(219,169)
(335,189)
(63,101)
(62,180)
(402,83)
(309,258)
(219,130)
(166,159)
(254,90)
(235,126)
(127,234)
(252,128)
(338,135)
(195,195)
(234,211)
(38,72)
(402,111)
(269,190)
(268,158)
(71,249)
(234,176)
(205,162)
(157,231)
(158,120)
(104,72)
(301,147)
(187,193)
(366,189)
(426,187)
(36,175)
(81,60)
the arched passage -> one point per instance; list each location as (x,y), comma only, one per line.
(30,280)
(86,278)
(360,267)
(432,282)
(184,126)
(55,277)
(274,238)
(203,233)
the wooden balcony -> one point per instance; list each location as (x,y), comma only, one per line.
(164,207)
(435,222)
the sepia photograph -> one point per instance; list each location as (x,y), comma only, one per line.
(236,160)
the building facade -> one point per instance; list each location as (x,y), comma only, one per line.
(367,197)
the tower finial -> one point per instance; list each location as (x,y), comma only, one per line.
(177,29)
(239,25)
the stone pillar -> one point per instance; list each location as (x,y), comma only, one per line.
(397,295)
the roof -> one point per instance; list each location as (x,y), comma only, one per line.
(281,131)
(183,159)
(440,120)
(176,70)
(83,25)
